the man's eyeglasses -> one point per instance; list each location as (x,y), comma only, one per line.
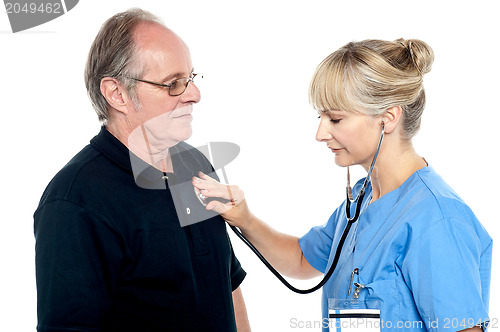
(176,88)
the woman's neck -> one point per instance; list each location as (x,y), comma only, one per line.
(392,169)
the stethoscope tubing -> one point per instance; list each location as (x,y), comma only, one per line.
(281,278)
(338,251)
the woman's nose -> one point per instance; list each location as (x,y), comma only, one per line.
(323,134)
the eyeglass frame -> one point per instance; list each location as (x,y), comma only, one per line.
(189,79)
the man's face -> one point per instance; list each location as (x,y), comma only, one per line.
(166,119)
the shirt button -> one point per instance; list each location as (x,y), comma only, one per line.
(188,210)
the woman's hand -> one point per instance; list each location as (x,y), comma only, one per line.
(281,250)
(233,208)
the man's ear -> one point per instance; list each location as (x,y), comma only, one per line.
(392,117)
(115,94)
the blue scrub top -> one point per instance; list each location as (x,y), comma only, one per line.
(420,251)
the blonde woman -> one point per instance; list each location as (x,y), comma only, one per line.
(417,258)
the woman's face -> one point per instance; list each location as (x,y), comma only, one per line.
(352,137)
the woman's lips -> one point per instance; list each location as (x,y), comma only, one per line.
(336,150)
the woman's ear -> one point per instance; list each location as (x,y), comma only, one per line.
(392,117)
(115,95)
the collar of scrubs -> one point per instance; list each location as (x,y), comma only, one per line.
(377,210)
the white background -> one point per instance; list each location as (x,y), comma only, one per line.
(257,58)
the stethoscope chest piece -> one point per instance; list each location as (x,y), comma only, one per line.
(201,198)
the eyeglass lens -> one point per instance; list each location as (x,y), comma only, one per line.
(178,86)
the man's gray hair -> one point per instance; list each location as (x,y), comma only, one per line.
(114,54)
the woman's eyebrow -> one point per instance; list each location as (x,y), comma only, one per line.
(329,111)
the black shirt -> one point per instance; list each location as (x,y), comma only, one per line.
(114,254)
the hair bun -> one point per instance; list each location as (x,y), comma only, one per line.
(421,54)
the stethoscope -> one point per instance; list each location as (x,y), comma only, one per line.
(350,221)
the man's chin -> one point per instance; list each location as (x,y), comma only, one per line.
(188,134)
(184,136)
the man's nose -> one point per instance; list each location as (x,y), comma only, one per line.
(192,94)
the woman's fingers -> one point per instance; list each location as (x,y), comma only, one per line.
(211,188)
(219,207)
(205,182)
(232,208)
(206,177)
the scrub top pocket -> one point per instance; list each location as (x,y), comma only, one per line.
(386,292)
(376,300)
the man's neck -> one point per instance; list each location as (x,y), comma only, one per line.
(138,142)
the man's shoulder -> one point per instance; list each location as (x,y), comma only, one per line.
(75,172)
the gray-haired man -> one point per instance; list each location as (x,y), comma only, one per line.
(111,251)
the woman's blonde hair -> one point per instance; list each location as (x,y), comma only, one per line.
(371,76)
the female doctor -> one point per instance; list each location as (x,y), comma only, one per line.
(417,255)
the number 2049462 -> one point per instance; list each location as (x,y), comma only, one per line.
(455,323)
(33,8)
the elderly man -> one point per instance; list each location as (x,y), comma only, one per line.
(121,245)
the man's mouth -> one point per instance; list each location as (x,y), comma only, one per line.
(183,113)
(183,116)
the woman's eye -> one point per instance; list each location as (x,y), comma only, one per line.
(332,120)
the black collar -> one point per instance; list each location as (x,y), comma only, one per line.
(186,161)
